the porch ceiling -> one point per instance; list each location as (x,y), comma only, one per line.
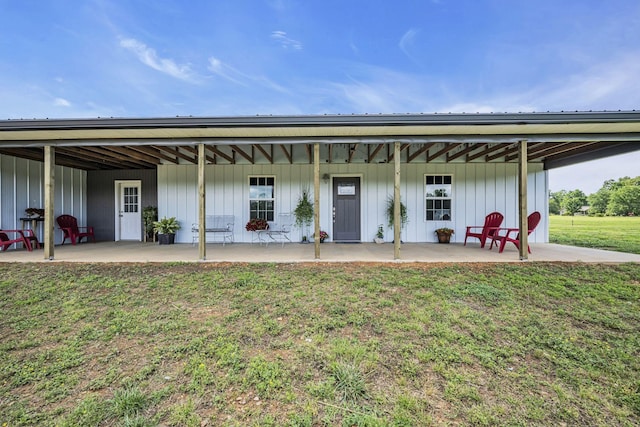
(556,139)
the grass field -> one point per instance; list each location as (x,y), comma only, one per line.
(611,233)
(319,345)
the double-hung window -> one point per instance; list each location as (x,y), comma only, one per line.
(262,197)
(438,197)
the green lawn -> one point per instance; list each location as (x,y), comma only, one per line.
(319,344)
(611,233)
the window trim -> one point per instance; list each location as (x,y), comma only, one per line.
(426,197)
(273,199)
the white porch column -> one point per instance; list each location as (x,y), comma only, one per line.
(49,197)
(522,201)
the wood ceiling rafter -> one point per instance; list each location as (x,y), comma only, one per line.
(352,151)
(489,149)
(152,151)
(509,150)
(145,158)
(375,153)
(309,152)
(288,154)
(584,148)
(531,148)
(268,156)
(222,154)
(110,154)
(420,151)
(470,148)
(242,153)
(175,151)
(97,157)
(443,150)
(555,149)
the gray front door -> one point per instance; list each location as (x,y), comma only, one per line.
(346,209)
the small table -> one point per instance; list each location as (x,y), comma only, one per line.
(33,222)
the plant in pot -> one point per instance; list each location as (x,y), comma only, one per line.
(404,219)
(149,216)
(379,235)
(304,212)
(323,236)
(166,229)
(444,234)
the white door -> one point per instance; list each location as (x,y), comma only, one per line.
(129,215)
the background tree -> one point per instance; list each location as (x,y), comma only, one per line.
(573,201)
(555,201)
(625,201)
(599,201)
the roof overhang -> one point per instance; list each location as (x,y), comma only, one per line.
(606,133)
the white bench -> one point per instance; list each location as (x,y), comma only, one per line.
(216,225)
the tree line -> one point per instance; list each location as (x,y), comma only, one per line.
(614,198)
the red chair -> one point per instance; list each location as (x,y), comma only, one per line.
(69,226)
(532,222)
(18,237)
(491,223)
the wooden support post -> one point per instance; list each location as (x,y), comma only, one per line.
(49,197)
(202,203)
(397,223)
(316,199)
(522,201)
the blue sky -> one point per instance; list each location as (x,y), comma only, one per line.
(157,58)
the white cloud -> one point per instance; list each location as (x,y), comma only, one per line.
(286,42)
(149,57)
(407,40)
(61,102)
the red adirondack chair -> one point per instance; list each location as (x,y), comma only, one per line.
(491,223)
(532,222)
(18,236)
(69,226)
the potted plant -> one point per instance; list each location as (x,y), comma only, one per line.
(166,229)
(304,212)
(149,216)
(444,234)
(323,236)
(256,224)
(379,235)
(404,219)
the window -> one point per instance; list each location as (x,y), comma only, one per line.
(438,197)
(262,197)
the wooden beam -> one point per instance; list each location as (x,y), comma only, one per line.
(375,153)
(288,154)
(49,198)
(175,151)
(352,151)
(531,148)
(445,149)
(470,147)
(330,157)
(423,149)
(309,152)
(513,149)
(217,152)
(397,223)
(489,149)
(202,203)
(240,151)
(316,199)
(268,156)
(522,200)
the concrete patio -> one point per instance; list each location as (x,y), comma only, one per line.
(120,252)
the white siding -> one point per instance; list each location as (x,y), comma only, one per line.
(477,190)
(22,187)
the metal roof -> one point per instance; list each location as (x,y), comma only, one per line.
(557,139)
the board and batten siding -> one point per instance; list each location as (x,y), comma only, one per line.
(22,187)
(478,189)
